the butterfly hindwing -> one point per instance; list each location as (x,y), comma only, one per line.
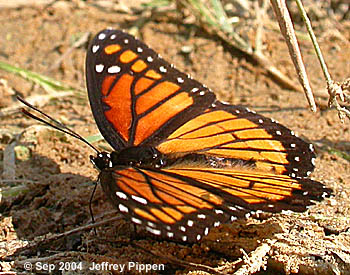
(183,203)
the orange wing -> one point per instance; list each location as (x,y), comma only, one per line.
(134,94)
(185,162)
(183,203)
(229,135)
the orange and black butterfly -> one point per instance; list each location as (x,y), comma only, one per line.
(184,161)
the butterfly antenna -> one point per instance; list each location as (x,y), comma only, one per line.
(53,123)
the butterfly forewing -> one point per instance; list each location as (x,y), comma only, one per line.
(136,96)
(238,134)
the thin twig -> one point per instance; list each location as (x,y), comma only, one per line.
(39,241)
(287,30)
(314,41)
(81,41)
(334,89)
(260,12)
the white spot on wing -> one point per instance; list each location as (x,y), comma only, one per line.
(114,69)
(151,224)
(121,195)
(99,68)
(311,147)
(153,231)
(139,199)
(123,208)
(135,220)
(149,58)
(313,161)
(113,36)
(102,36)
(95,48)
(180,80)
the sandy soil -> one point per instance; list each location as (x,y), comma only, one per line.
(47,187)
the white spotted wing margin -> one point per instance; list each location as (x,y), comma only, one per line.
(183,204)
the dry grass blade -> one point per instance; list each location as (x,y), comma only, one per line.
(9,162)
(335,90)
(54,89)
(49,84)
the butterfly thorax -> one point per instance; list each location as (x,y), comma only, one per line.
(141,156)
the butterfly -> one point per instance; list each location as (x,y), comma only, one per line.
(183,161)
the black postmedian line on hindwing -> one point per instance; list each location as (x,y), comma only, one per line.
(235,188)
(196,183)
(183,179)
(235,200)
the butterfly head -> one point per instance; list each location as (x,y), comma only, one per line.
(101,161)
(143,156)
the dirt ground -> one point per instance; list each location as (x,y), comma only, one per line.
(47,178)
